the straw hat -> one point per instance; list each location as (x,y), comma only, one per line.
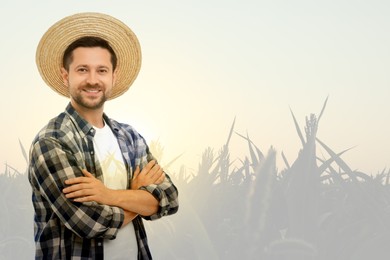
(58,37)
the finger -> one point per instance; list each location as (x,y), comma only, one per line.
(160,179)
(75,187)
(84,199)
(71,195)
(136,172)
(87,173)
(157,172)
(155,169)
(77,194)
(77,180)
(148,167)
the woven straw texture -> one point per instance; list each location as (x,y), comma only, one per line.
(58,37)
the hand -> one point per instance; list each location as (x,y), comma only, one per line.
(88,188)
(152,173)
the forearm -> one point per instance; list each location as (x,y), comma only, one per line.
(47,173)
(128,217)
(167,196)
(138,201)
(151,201)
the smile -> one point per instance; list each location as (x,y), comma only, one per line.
(92,90)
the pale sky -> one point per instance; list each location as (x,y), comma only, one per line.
(206,62)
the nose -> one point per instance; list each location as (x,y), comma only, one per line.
(92,78)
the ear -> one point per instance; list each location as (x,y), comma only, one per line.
(114,74)
(65,76)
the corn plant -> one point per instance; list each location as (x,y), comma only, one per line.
(16,219)
(317,207)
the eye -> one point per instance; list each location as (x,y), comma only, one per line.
(103,71)
(82,70)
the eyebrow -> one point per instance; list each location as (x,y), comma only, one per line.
(99,66)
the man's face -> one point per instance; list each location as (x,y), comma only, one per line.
(90,77)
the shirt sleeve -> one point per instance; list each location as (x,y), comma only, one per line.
(51,163)
(167,195)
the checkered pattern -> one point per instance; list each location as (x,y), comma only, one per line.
(68,230)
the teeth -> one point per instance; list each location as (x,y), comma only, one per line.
(92,90)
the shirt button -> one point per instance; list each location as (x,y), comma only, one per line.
(92,152)
(99,244)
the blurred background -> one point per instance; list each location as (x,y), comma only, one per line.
(227,75)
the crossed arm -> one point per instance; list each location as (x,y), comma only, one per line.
(55,161)
(134,201)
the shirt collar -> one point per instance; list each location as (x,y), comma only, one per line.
(84,127)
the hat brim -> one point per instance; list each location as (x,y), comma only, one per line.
(58,37)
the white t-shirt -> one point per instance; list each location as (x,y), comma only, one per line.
(109,155)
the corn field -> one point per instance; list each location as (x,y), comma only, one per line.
(16,218)
(315,208)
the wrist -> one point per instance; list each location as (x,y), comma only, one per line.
(113,197)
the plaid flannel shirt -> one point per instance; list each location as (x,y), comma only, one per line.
(65,229)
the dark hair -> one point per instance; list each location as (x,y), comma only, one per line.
(87,41)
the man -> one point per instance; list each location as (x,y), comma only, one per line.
(93,179)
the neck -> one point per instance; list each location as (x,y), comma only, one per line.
(93,116)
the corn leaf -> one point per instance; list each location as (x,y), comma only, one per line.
(298,129)
(23,151)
